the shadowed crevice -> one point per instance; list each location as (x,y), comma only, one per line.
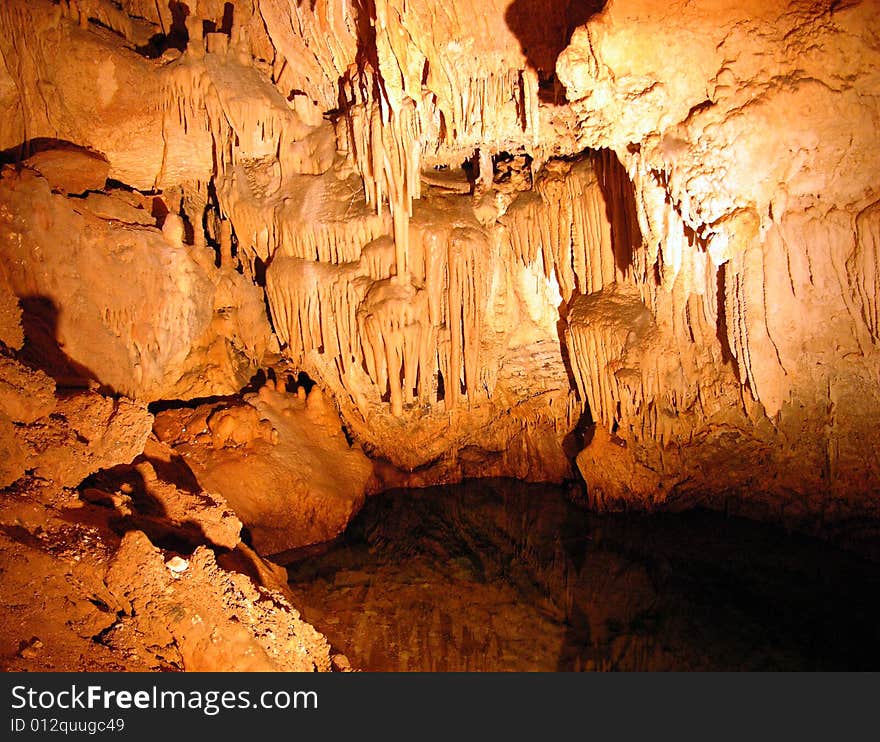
(544,29)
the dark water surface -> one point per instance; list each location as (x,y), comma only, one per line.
(503,575)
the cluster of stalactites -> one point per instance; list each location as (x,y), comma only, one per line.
(863,269)
(221,94)
(331,242)
(414,331)
(496,110)
(563,224)
(187,90)
(637,380)
(694,261)
(314,307)
(387,134)
(407,335)
(386,147)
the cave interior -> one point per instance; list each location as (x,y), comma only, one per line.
(567,312)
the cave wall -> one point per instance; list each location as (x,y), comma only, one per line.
(748,134)
(475,226)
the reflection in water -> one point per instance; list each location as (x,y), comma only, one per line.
(503,575)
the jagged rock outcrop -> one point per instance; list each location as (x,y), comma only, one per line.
(109,299)
(280,459)
(210,619)
(81,597)
(11,333)
(63,438)
(755,198)
(116,558)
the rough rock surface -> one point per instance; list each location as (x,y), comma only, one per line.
(11,334)
(158,495)
(70,170)
(85,433)
(210,619)
(83,588)
(757,206)
(121,303)
(75,597)
(63,438)
(122,572)
(25,394)
(280,459)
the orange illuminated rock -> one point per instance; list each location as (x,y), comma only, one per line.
(25,394)
(478,228)
(70,170)
(11,333)
(282,462)
(116,302)
(212,620)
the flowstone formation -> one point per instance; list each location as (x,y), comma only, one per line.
(493,234)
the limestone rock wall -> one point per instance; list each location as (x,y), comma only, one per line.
(279,458)
(748,135)
(475,224)
(109,299)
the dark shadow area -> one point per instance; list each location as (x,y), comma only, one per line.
(175,37)
(136,507)
(304,553)
(159,210)
(471,169)
(258,379)
(721,334)
(162,405)
(504,575)
(228,19)
(176,472)
(580,436)
(30,147)
(544,29)
(561,327)
(620,204)
(211,217)
(39,320)
(365,21)
(117,185)
(189,232)
(508,167)
(259,270)
(301,379)
(441,387)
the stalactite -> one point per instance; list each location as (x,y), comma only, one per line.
(387,151)
(392,321)
(327,242)
(468,272)
(317,42)
(314,307)
(635,377)
(566,223)
(863,269)
(403,335)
